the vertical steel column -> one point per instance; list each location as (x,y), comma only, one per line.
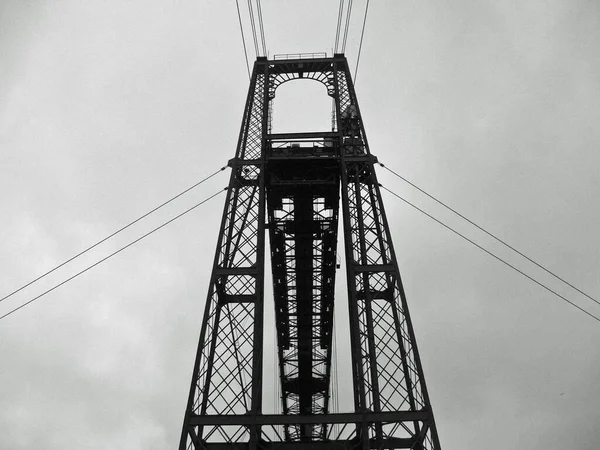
(386,362)
(358,376)
(227,377)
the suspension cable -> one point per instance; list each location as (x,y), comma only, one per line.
(491,235)
(112,234)
(347,25)
(253,25)
(243,38)
(362,34)
(111,255)
(339,26)
(492,254)
(262,29)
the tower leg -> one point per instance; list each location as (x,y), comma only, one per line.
(387,369)
(227,377)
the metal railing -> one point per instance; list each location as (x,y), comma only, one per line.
(300,55)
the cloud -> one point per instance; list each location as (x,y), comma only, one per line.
(111,108)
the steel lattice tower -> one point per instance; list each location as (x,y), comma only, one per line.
(290,185)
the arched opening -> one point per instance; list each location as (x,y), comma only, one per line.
(301,106)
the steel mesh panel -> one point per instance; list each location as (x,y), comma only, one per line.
(252,133)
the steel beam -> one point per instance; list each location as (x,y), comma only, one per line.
(331,418)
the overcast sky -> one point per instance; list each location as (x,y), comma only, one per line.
(108,108)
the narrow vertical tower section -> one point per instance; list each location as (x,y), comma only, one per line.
(387,371)
(228,368)
(291,185)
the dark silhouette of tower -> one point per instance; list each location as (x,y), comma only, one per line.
(290,185)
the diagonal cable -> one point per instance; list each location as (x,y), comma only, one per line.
(339,26)
(111,255)
(253,25)
(237,4)
(362,35)
(111,235)
(491,235)
(347,26)
(491,254)
(262,29)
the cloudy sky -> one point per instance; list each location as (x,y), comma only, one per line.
(108,108)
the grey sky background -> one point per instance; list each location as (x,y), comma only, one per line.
(109,108)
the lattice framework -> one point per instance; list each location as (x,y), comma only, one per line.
(291,186)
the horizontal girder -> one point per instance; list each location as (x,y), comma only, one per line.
(331,418)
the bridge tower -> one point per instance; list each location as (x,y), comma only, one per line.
(289,185)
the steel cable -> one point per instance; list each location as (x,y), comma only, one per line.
(362,34)
(243,38)
(339,26)
(347,25)
(262,29)
(112,234)
(492,254)
(253,25)
(111,255)
(490,234)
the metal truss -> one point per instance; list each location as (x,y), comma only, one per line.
(290,185)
